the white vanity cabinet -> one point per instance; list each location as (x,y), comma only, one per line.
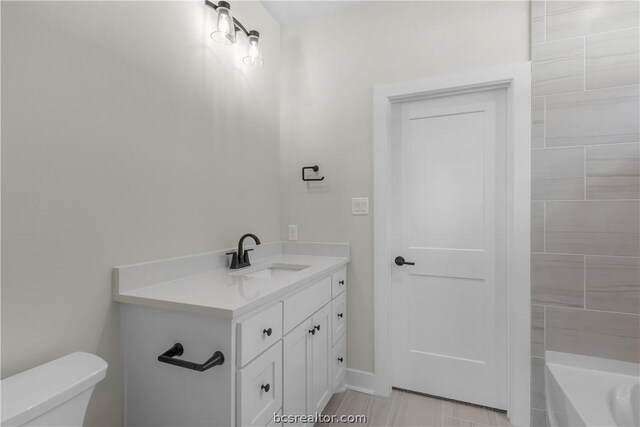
(285,356)
(311,361)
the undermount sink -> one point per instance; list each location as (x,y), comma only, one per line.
(273,271)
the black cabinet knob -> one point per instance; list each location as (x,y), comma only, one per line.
(340,359)
(317,327)
(340,315)
(400,261)
(341,282)
(312,331)
(265,387)
(267,331)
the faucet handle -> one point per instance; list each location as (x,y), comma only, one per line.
(246,255)
(234,259)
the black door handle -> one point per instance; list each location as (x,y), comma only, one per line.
(400,261)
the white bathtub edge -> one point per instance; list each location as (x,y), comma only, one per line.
(593,363)
(578,388)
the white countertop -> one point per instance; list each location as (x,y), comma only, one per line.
(222,292)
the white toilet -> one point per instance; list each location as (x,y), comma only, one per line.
(54,394)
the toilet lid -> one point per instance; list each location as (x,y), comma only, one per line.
(31,393)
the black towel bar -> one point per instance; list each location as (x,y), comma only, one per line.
(177,350)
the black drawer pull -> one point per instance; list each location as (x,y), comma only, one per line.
(267,331)
(340,359)
(265,387)
(177,350)
(341,282)
(340,315)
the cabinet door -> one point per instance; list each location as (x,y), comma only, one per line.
(297,378)
(339,316)
(321,384)
(259,388)
(339,362)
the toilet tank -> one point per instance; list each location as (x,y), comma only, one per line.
(54,394)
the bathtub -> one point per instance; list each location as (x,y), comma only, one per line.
(588,391)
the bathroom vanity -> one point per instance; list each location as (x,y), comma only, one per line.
(253,342)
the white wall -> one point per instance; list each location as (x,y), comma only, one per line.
(127,135)
(329,67)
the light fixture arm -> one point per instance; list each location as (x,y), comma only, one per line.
(238,25)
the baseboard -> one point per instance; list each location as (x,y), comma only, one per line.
(361,381)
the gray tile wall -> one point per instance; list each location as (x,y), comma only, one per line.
(585,212)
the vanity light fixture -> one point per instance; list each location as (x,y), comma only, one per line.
(225,30)
(254,58)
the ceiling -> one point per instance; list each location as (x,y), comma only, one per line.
(293,12)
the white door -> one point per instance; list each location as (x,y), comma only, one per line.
(449,218)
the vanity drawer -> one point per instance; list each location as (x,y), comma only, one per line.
(338,282)
(339,362)
(258,333)
(304,303)
(338,316)
(260,389)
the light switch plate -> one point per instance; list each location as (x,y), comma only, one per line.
(360,206)
(293,233)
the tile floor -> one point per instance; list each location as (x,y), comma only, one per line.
(409,409)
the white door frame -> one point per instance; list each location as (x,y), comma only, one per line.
(516,78)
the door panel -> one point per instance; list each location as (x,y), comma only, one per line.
(445,172)
(449,309)
(259,388)
(338,317)
(431,302)
(320,356)
(339,362)
(296,377)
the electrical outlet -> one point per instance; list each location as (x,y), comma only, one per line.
(360,206)
(293,233)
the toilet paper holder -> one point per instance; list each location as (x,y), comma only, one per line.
(314,168)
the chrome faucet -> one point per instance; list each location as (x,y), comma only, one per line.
(240,259)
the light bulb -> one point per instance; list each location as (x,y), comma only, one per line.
(254,56)
(225,30)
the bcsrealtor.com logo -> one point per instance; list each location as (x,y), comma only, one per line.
(319,419)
